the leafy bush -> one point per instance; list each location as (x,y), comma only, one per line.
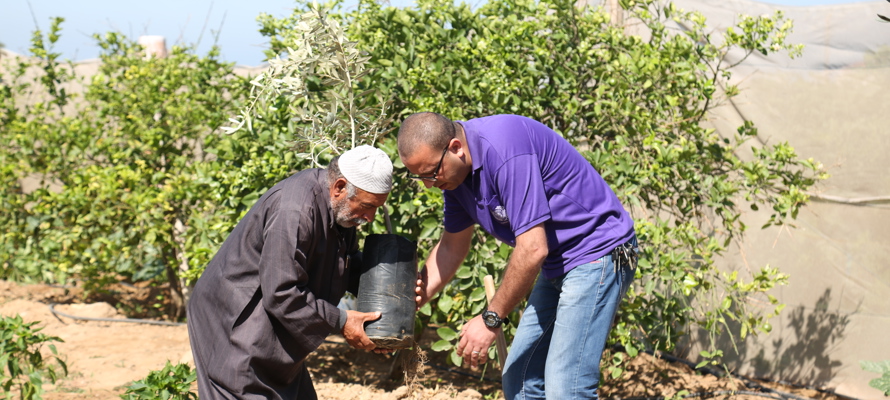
(150,187)
(637,106)
(132,155)
(22,365)
(173,382)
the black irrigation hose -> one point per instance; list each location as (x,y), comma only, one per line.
(130,320)
(798,385)
(754,385)
(748,382)
(706,395)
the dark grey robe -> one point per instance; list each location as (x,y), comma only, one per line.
(268,298)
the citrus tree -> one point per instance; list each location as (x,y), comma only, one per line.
(636,107)
(125,165)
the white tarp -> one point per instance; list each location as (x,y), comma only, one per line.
(831,104)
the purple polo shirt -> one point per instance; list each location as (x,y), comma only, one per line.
(524,174)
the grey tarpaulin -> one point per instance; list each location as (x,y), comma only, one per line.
(831,104)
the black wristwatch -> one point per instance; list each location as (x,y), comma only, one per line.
(492,320)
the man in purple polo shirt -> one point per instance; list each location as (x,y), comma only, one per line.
(528,187)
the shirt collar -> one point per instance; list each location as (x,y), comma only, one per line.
(474,142)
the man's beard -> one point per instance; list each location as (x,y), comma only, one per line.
(341,214)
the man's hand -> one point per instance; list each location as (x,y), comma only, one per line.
(475,339)
(354,330)
(420,290)
(441,265)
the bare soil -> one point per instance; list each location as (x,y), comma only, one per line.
(104,357)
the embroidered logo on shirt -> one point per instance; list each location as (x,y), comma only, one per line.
(500,214)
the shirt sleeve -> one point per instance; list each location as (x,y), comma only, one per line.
(522,191)
(284,279)
(456,218)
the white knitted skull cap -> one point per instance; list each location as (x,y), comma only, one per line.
(368,168)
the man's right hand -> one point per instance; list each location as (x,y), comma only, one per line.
(354,330)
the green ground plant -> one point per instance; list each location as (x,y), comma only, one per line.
(637,107)
(881,367)
(173,382)
(23,368)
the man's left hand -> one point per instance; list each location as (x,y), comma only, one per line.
(475,339)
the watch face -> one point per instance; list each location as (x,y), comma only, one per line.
(491,319)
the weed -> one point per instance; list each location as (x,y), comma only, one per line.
(173,382)
(24,367)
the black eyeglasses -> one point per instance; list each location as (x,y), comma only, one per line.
(432,178)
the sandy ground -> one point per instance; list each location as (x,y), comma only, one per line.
(104,357)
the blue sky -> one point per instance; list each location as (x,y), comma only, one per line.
(178,21)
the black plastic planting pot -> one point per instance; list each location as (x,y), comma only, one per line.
(389,272)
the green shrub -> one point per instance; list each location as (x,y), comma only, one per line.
(171,383)
(134,158)
(22,365)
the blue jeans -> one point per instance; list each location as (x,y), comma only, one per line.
(560,339)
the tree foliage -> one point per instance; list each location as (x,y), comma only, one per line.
(149,186)
(131,155)
(637,105)
(317,84)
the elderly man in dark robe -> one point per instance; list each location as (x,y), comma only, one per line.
(268,298)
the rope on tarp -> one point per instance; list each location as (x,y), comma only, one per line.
(873,201)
